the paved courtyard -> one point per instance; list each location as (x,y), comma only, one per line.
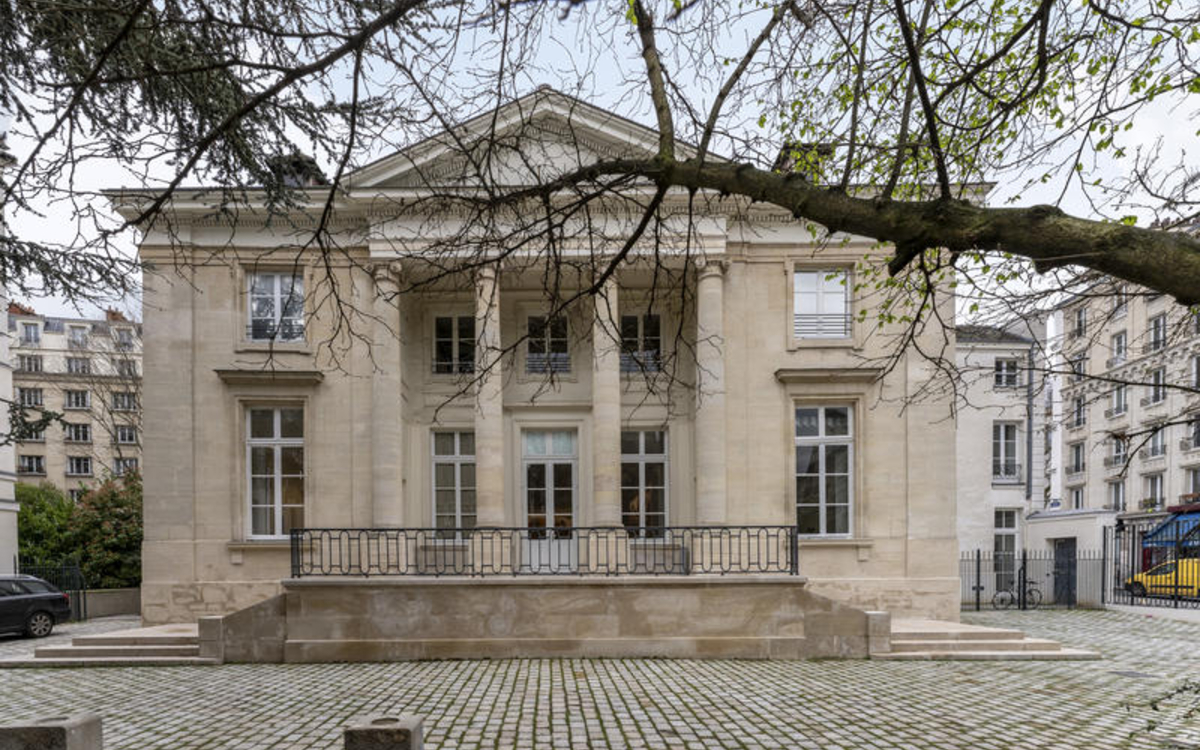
(647,703)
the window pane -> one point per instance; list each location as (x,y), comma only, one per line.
(291,461)
(629,332)
(443,475)
(537,504)
(262,520)
(291,423)
(629,475)
(535,443)
(466,475)
(293,491)
(262,423)
(262,308)
(262,284)
(443,328)
(808,519)
(445,502)
(262,460)
(535,476)
(629,443)
(468,504)
(563,442)
(262,491)
(293,518)
(837,420)
(808,459)
(655,475)
(837,519)
(631,501)
(443,443)
(807,424)
(837,490)
(656,442)
(808,490)
(655,501)
(837,459)
(563,476)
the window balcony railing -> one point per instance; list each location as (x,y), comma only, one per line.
(1154,346)
(1188,444)
(1189,497)
(1075,469)
(287,331)
(575,551)
(1154,400)
(1114,462)
(1114,412)
(817,326)
(1077,421)
(1150,453)
(1004,472)
(1116,361)
(1150,503)
(77,343)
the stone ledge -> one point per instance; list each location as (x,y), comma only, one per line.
(546,581)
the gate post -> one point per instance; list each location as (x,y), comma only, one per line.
(978,576)
(1104,568)
(1021,578)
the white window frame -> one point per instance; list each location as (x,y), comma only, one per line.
(458,459)
(1078,366)
(1119,343)
(1120,399)
(1120,450)
(77,337)
(1077,497)
(551,362)
(31,397)
(1120,302)
(24,360)
(549,459)
(122,466)
(39,462)
(457,364)
(1158,332)
(1080,328)
(829,316)
(76,463)
(1115,491)
(124,401)
(1157,444)
(125,368)
(278,331)
(31,333)
(1004,547)
(68,397)
(1007,372)
(1006,451)
(821,441)
(72,430)
(277,443)
(1155,487)
(1158,385)
(1078,412)
(635,354)
(124,429)
(641,459)
(79,366)
(1077,457)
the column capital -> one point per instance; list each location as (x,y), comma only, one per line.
(385,270)
(712,267)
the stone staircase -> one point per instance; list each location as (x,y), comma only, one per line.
(161,646)
(923,640)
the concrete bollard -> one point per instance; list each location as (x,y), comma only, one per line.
(75,732)
(385,733)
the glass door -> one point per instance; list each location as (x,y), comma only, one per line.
(550,470)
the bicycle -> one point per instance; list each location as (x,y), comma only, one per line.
(1007,598)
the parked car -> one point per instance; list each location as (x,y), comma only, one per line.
(31,606)
(1182,576)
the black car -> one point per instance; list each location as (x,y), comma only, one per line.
(31,606)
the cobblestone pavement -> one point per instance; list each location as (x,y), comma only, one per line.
(579,703)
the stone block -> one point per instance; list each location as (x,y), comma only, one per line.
(75,732)
(384,733)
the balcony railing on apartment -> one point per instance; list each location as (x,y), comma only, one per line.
(1112,462)
(811,325)
(1113,412)
(571,551)
(1116,361)
(1006,472)
(1154,401)
(1151,452)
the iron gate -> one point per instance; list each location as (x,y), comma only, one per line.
(1156,561)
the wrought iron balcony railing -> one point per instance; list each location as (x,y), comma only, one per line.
(572,551)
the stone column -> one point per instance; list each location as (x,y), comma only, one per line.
(606,408)
(489,406)
(387,409)
(710,394)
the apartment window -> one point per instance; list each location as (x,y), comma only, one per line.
(1120,400)
(1158,332)
(124,401)
(1193,483)
(1196,371)
(31,464)
(126,434)
(453,344)
(1119,346)
(1077,455)
(1158,385)
(548,348)
(1004,548)
(79,366)
(1155,491)
(76,494)
(30,396)
(124,338)
(1193,436)
(1120,448)
(275,462)
(32,436)
(1078,412)
(1006,373)
(551,465)
(79,466)
(126,368)
(1116,495)
(78,433)
(123,466)
(1080,328)
(29,363)
(644,482)
(77,337)
(641,343)
(1157,444)
(1078,365)
(1120,302)
(821,304)
(1004,451)
(1076,496)
(31,333)
(453,482)
(276,307)
(76,400)
(824,473)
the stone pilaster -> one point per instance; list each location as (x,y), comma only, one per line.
(710,394)
(606,408)
(489,406)
(387,407)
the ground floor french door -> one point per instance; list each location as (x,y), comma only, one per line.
(550,483)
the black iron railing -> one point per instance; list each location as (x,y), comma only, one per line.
(579,551)
(67,577)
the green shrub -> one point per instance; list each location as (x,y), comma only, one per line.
(44,523)
(106,533)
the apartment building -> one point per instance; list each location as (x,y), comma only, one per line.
(1127,363)
(999,434)
(89,372)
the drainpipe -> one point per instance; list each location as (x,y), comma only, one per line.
(1029,428)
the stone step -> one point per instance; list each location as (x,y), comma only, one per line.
(972,644)
(974,634)
(1062,654)
(109,661)
(91,651)
(161,635)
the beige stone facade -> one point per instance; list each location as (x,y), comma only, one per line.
(302,421)
(90,372)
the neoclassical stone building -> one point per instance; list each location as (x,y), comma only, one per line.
(721,382)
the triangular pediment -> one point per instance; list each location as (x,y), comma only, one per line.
(527,141)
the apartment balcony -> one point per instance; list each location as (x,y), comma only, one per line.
(1115,462)
(1114,413)
(1187,445)
(1189,497)
(1006,473)
(1150,402)
(77,344)
(1117,361)
(1153,346)
(1076,471)
(1149,504)
(1077,422)
(1152,454)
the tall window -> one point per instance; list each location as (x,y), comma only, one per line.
(1193,482)
(1157,445)
(1076,495)
(644,481)
(1116,495)
(824,469)
(1120,447)
(1155,491)
(276,307)
(1004,451)
(1078,412)
(1158,332)
(454,344)
(78,433)
(79,466)
(453,482)
(1078,365)
(124,338)
(30,334)
(1077,458)
(76,400)
(551,458)
(548,347)
(275,462)
(1193,435)
(29,363)
(1004,548)
(821,304)
(1006,373)
(1118,345)
(641,343)
(77,337)
(1080,328)
(1158,385)
(1120,302)
(30,396)
(1120,400)
(79,365)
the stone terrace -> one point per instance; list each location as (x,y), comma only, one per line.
(649,703)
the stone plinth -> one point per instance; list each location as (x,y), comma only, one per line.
(75,732)
(384,733)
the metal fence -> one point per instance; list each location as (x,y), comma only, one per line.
(598,551)
(1156,561)
(66,577)
(1026,579)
